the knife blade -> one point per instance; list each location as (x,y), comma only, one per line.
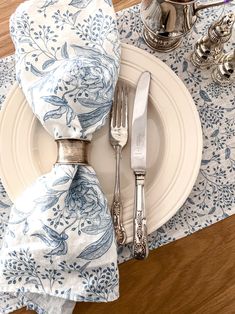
(138,165)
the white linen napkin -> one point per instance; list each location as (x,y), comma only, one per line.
(60,244)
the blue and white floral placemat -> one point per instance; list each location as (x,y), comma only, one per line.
(213,196)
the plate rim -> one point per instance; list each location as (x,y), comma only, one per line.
(194,170)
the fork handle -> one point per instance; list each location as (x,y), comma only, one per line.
(116,207)
(140,236)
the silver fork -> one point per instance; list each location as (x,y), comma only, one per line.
(118,139)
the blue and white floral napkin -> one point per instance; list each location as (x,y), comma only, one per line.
(59,244)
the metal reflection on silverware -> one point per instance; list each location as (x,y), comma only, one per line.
(118,139)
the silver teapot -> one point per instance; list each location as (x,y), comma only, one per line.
(166,21)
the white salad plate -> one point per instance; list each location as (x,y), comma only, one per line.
(173,152)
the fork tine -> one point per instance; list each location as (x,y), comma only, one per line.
(121,105)
(113,112)
(126,107)
(119,114)
(118,100)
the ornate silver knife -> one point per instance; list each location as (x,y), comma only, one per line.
(138,165)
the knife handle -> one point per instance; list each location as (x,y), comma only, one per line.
(140,237)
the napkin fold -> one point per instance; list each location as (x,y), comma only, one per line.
(60,243)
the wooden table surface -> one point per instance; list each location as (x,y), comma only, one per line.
(193,275)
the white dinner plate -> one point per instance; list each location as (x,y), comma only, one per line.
(173,153)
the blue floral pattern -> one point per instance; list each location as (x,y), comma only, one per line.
(59,240)
(63,80)
(212,198)
(30,273)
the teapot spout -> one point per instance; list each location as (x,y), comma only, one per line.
(200,6)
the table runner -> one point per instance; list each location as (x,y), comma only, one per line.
(213,196)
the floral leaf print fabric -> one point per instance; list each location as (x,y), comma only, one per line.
(59,240)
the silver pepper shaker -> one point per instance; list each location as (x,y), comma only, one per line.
(224,73)
(209,49)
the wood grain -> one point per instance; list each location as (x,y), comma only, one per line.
(193,275)
(7,7)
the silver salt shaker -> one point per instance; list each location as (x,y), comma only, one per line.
(224,73)
(208,50)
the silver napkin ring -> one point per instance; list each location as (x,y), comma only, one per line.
(72,151)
